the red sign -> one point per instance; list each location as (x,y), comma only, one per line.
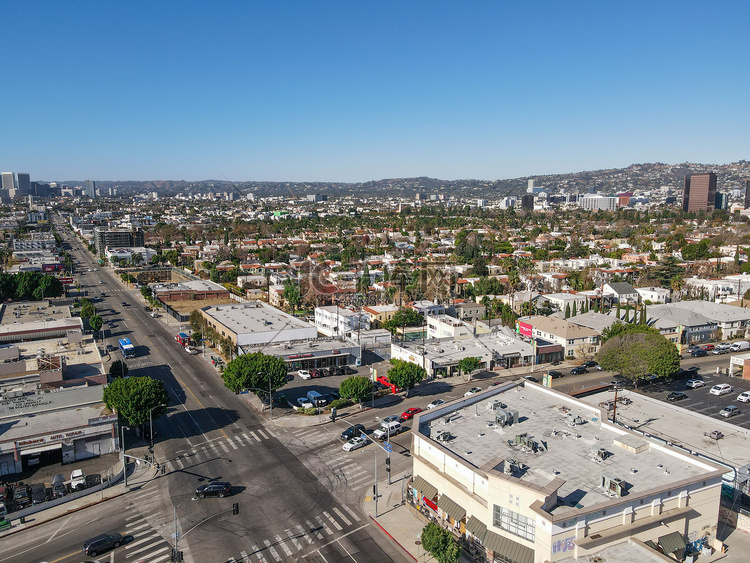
(66,280)
(429,503)
(524,329)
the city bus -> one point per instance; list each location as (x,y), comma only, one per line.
(127,348)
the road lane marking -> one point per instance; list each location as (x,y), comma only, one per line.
(58,530)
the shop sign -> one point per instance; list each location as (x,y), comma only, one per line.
(429,503)
(102,419)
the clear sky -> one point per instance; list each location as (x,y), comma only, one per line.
(355,90)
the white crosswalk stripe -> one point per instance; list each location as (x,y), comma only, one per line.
(341,515)
(261,433)
(142,539)
(295,541)
(303,533)
(179,464)
(324,525)
(131,531)
(159,553)
(224,447)
(334,522)
(253,435)
(283,546)
(314,530)
(156,540)
(272,551)
(169,467)
(351,512)
(132,517)
(256,550)
(231,443)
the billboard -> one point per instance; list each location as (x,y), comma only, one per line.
(524,329)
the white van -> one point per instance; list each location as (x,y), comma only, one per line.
(739,345)
(391,428)
(316,399)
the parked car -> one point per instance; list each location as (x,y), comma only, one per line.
(77,480)
(101,543)
(555,374)
(435,403)
(304,374)
(695,383)
(21,496)
(315,373)
(578,370)
(592,364)
(708,347)
(387,429)
(409,413)
(719,350)
(739,346)
(352,431)
(303,403)
(531,378)
(692,348)
(676,396)
(744,397)
(472,391)
(721,389)
(348,370)
(219,489)
(699,353)
(354,443)
(731,410)
(58,486)
(38,493)
(389,418)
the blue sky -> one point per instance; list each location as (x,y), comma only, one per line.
(356,91)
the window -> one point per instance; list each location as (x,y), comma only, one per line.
(513,522)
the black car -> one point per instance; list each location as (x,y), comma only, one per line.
(352,431)
(38,493)
(58,486)
(349,371)
(699,353)
(555,374)
(676,396)
(219,489)
(578,371)
(21,496)
(101,543)
(590,364)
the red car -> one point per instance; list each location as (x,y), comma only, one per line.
(410,412)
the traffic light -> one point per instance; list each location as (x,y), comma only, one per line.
(163,469)
(388,465)
(236,508)
(176,556)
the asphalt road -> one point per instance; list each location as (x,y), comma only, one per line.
(209,433)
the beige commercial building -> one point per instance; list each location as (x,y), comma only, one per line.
(529,475)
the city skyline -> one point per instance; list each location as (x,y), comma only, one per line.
(351,93)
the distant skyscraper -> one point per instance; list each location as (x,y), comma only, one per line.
(747,194)
(24,184)
(527,201)
(721,201)
(9,184)
(89,188)
(700,192)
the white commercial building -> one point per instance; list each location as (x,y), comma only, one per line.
(335,321)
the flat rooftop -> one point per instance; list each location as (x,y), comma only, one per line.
(31,311)
(256,317)
(563,437)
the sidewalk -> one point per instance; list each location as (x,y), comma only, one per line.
(138,475)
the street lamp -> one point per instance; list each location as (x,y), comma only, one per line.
(122,452)
(151,425)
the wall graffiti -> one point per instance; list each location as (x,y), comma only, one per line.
(561,546)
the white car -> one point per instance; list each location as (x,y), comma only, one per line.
(435,403)
(695,383)
(721,389)
(77,480)
(354,443)
(304,374)
(304,403)
(744,397)
(472,391)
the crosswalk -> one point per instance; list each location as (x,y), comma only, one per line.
(300,538)
(339,463)
(217,448)
(143,542)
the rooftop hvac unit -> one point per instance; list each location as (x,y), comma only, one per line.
(599,454)
(505,417)
(613,486)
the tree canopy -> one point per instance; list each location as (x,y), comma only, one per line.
(133,397)
(439,543)
(468,365)
(357,388)
(95,322)
(403,317)
(255,371)
(405,374)
(28,286)
(118,369)
(638,350)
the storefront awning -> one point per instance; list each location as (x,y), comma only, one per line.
(451,508)
(477,528)
(40,449)
(671,542)
(510,550)
(424,488)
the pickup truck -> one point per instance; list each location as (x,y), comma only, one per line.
(77,480)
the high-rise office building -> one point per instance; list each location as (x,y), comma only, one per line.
(24,184)
(747,194)
(9,184)
(700,192)
(527,201)
(89,188)
(721,201)
(104,237)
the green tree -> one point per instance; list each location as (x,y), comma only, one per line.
(95,323)
(357,388)
(255,371)
(405,374)
(87,309)
(147,292)
(403,317)
(196,321)
(291,294)
(567,310)
(439,543)
(469,365)
(133,397)
(118,369)
(639,350)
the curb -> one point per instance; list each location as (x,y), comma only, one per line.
(392,539)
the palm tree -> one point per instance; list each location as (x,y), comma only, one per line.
(676,284)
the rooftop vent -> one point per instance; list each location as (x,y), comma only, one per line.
(613,486)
